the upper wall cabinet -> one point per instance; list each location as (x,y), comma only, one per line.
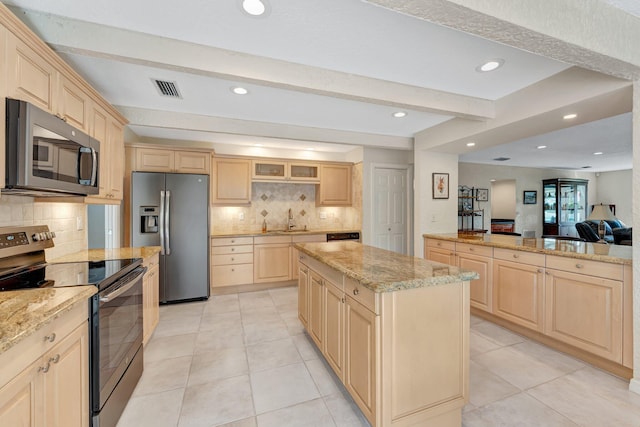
(73,105)
(154,159)
(230,182)
(335,185)
(276,170)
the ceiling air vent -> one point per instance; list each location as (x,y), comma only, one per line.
(502,159)
(166,88)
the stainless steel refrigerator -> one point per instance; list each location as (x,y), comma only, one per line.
(171,210)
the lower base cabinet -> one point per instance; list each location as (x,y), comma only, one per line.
(389,349)
(150,298)
(53,391)
(518,291)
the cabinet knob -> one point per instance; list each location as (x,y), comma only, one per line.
(50,338)
(54,359)
(232,259)
(356,291)
(579,266)
(44,369)
(539,270)
(472,249)
(233,249)
(516,255)
(233,241)
(233,269)
(343,300)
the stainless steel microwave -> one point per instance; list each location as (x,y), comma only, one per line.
(45,156)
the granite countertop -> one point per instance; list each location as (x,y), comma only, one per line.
(381,270)
(116,253)
(278,233)
(615,254)
(25,311)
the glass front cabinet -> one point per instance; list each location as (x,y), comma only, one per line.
(564,202)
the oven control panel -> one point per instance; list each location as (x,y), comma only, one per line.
(24,240)
(9,240)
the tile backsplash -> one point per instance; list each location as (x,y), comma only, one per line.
(63,218)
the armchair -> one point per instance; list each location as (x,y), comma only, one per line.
(587,232)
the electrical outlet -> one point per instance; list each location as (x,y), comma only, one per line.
(241,216)
(433,218)
(323,215)
(79,223)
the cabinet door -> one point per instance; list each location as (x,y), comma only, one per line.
(335,186)
(154,160)
(271,263)
(333,328)
(303,294)
(361,327)
(271,170)
(99,131)
(518,291)
(29,77)
(444,256)
(231,182)
(595,323)
(151,302)
(316,308)
(307,172)
(192,162)
(115,136)
(480,289)
(19,401)
(73,104)
(66,385)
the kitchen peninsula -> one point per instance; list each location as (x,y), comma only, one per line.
(395,330)
(573,296)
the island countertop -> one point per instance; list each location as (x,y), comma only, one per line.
(25,311)
(615,254)
(381,270)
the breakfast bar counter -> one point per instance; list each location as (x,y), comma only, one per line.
(394,329)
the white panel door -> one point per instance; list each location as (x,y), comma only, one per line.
(390,209)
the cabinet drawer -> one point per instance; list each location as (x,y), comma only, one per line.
(519,256)
(442,244)
(238,249)
(262,240)
(241,258)
(474,249)
(363,295)
(228,241)
(591,268)
(152,261)
(228,275)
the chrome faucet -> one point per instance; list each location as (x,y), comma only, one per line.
(290,223)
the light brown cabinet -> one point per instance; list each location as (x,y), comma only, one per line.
(335,185)
(158,159)
(73,104)
(440,251)
(303,294)
(231,261)
(271,259)
(110,133)
(280,170)
(333,324)
(150,297)
(51,387)
(480,289)
(230,182)
(316,308)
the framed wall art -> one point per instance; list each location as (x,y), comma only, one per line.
(482,195)
(440,185)
(530,197)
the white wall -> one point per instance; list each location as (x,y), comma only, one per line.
(528,217)
(503,199)
(616,188)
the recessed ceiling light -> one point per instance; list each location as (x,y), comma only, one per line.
(570,116)
(310,149)
(239,90)
(597,153)
(471,144)
(491,65)
(541,147)
(255,7)
(399,114)
(492,180)
(257,145)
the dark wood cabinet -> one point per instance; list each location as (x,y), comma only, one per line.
(564,203)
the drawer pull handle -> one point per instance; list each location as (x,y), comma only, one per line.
(55,359)
(356,291)
(471,249)
(233,241)
(579,266)
(343,300)
(233,269)
(439,244)
(539,270)
(233,249)
(50,338)
(44,369)
(233,259)
(516,255)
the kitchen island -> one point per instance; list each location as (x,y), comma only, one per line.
(573,296)
(394,329)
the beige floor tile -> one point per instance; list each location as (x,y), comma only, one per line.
(305,346)
(486,387)
(478,344)
(288,309)
(153,410)
(180,326)
(222,304)
(323,376)
(247,422)
(271,330)
(345,413)
(163,375)
(260,315)
(220,321)
(177,311)
(497,334)
(284,296)
(272,354)
(253,300)
(217,402)
(281,387)
(519,410)
(476,320)
(313,413)
(591,398)
(170,347)
(521,369)
(218,364)
(219,339)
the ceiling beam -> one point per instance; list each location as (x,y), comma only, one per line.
(84,38)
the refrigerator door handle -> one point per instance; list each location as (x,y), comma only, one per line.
(161,222)
(167,224)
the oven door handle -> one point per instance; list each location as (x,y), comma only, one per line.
(122,289)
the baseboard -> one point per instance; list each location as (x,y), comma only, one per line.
(634,385)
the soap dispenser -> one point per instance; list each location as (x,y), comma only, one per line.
(264,225)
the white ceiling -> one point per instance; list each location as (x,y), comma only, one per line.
(317,71)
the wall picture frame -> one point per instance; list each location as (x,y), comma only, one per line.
(440,185)
(482,194)
(530,197)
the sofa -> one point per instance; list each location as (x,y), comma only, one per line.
(615,231)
